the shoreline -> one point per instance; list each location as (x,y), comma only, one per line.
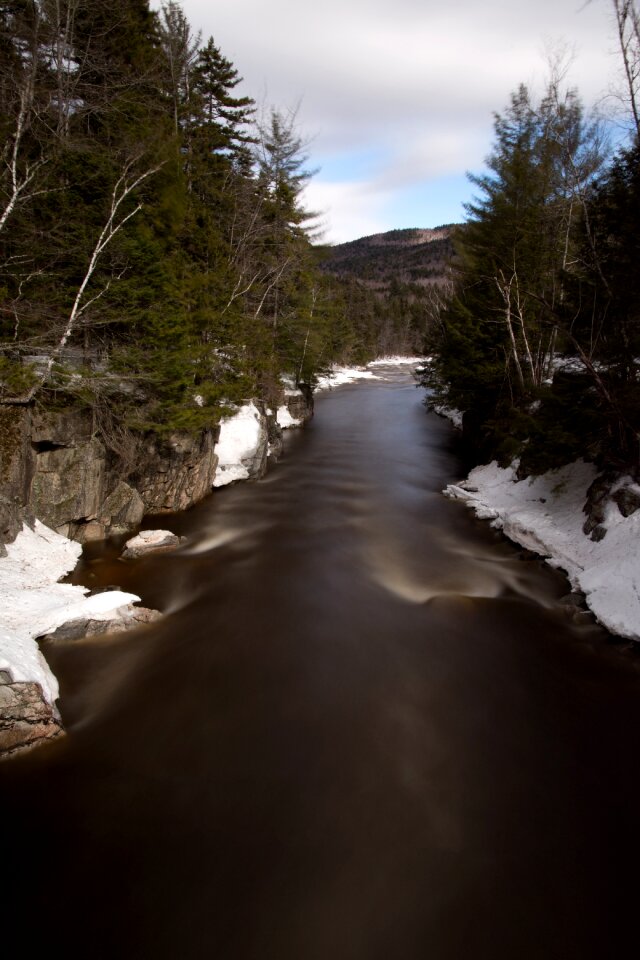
(37,604)
(546,515)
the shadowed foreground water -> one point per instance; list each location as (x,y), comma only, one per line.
(366,729)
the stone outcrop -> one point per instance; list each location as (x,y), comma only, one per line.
(274,437)
(299,402)
(26,719)
(15,471)
(177,472)
(53,466)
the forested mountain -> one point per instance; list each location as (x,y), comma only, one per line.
(394,283)
(419,256)
(155,260)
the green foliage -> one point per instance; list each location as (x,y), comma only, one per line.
(527,291)
(159,266)
(15,376)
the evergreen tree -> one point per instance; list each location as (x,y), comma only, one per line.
(501,329)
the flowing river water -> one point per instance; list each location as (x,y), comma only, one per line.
(366,729)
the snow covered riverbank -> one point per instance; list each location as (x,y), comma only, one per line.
(35,604)
(545,514)
(341,375)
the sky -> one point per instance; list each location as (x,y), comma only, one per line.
(395,98)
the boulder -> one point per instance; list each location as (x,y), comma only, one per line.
(123,508)
(628,500)
(150,541)
(128,619)
(26,719)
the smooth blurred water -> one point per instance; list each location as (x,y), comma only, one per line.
(365,729)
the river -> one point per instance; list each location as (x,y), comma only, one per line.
(366,729)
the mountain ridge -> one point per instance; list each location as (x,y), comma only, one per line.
(414,255)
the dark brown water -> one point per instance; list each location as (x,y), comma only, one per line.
(365,730)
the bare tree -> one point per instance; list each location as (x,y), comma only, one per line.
(628,28)
(130,179)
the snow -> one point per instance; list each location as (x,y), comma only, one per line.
(396,361)
(342,375)
(240,437)
(545,515)
(449,413)
(284,418)
(34,603)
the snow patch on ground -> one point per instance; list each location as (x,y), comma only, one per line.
(239,440)
(545,515)
(34,603)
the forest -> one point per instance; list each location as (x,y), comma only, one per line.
(157,262)
(540,342)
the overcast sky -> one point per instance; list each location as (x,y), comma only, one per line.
(397,96)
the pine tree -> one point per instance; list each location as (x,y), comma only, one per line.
(503,325)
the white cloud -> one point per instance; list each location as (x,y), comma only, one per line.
(414,80)
(347,210)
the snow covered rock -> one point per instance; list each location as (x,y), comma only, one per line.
(35,604)
(150,541)
(297,407)
(285,420)
(242,446)
(127,618)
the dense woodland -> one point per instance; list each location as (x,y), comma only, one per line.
(156,260)
(540,343)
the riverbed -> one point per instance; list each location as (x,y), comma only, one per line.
(366,728)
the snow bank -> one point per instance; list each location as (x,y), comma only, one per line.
(35,604)
(240,437)
(396,361)
(545,515)
(341,375)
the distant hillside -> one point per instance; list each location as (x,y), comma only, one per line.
(418,256)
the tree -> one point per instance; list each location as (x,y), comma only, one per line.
(520,245)
(628,29)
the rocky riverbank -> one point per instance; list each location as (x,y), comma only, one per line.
(55,466)
(57,492)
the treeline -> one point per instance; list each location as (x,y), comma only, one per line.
(155,254)
(540,343)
